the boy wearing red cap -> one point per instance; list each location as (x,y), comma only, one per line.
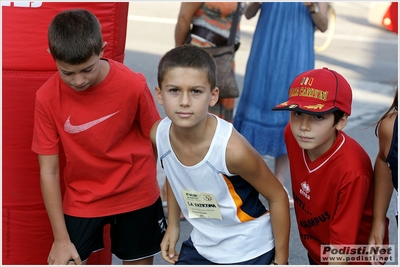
(331,173)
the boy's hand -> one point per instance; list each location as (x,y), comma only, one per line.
(168,252)
(63,253)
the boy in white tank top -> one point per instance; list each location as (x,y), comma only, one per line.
(214,176)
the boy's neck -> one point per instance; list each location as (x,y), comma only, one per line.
(315,154)
(104,69)
(191,145)
(197,133)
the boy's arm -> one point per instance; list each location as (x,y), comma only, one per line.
(172,234)
(244,160)
(62,249)
(153,132)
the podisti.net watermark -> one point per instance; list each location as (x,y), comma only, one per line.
(358,253)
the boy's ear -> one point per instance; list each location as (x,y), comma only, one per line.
(48,50)
(103,48)
(158,95)
(342,122)
(214,96)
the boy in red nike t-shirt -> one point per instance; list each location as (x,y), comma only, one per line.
(102,113)
(331,173)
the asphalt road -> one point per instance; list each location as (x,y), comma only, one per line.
(364,53)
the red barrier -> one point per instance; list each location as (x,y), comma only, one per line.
(26,230)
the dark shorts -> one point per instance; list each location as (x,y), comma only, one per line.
(134,235)
(189,256)
(310,260)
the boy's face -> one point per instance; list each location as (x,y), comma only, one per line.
(315,133)
(80,77)
(186,95)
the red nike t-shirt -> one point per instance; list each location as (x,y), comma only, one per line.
(110,164)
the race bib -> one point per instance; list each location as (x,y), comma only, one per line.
(201,205)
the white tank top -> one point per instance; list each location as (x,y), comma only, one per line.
(244,232)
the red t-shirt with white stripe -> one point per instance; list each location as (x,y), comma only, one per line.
(333,194)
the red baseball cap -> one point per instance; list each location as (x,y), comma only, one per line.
(318,92)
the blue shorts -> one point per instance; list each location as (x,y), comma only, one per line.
(189,256)
(134,235)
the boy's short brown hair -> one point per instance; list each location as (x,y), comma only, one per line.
(188,56)
(74,36)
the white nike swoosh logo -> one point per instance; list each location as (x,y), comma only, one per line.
(73,129)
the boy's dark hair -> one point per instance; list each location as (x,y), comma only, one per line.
(188,56)
(74,36)
(337,115)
